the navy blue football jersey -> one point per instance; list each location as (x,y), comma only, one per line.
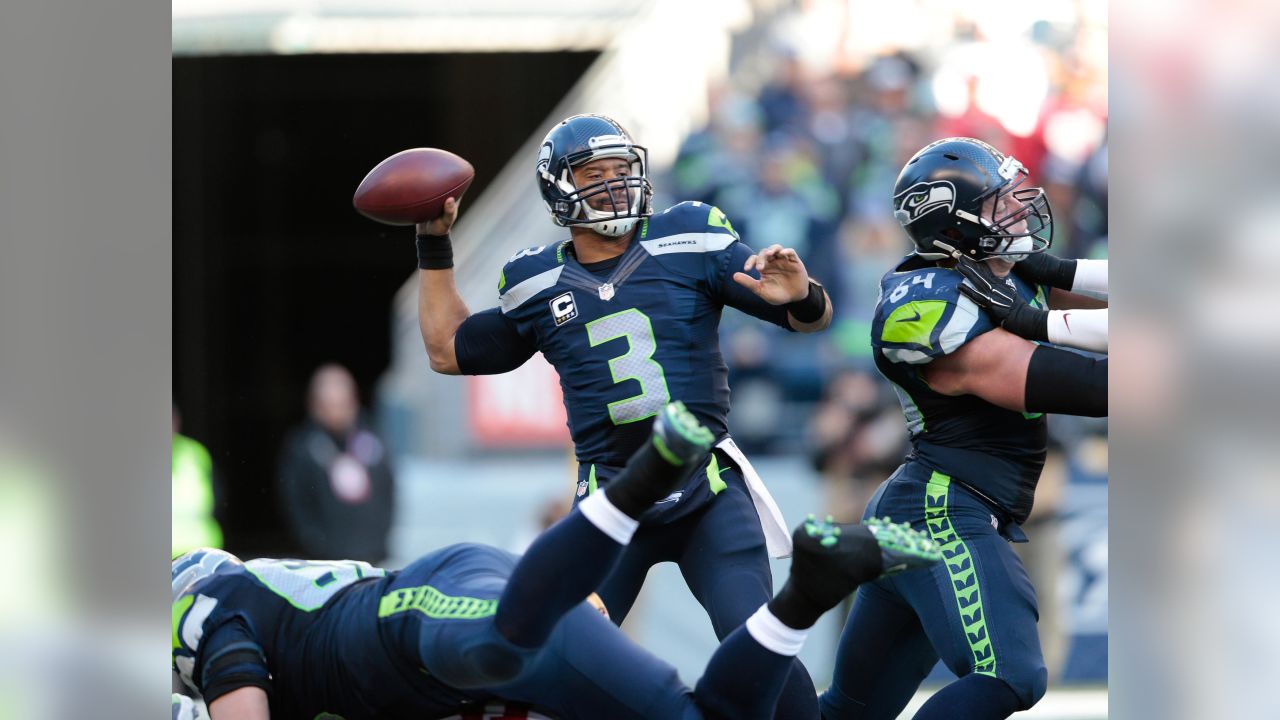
(921,316)
(324,625)
(629,339)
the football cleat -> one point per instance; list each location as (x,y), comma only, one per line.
(678,436)
(831,559)
(901,547)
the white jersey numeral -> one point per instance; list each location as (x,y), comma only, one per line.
(309,584)
(635,364)
(901,289)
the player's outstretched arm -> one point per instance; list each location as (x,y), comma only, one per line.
(246,703)
(785,281)
(1010,372)
(1084,329)
(1088,277)
(440,308)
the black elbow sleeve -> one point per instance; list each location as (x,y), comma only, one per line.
(1065,382)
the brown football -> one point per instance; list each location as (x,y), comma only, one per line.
(412,185)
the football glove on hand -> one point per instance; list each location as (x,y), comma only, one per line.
(1002,302)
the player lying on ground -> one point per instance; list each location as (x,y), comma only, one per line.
(467,623)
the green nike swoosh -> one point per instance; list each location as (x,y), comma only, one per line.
(910,319)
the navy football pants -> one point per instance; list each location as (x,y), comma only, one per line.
(976,610)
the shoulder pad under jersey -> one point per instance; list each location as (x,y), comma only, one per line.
(529,272)
(689,227)
(922,315)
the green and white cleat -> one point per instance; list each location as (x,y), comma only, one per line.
(678,436)
(901,547)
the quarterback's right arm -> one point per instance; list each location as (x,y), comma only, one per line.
(457,342)
(440,308)
(1015,374)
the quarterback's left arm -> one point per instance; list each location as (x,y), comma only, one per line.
(785,281)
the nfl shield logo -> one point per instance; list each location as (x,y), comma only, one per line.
(582,488)
(606,291)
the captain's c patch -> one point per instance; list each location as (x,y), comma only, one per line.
(563,308)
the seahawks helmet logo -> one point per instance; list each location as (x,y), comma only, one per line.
(544,160)
(923,198)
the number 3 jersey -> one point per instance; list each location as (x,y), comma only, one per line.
(625,336)
(920,317)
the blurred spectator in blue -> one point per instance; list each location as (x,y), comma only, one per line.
(788,203)
(782,100)
(335,477)
(726,153)
(889,126)
(1089,213)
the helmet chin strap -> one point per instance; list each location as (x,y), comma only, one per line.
(948,250)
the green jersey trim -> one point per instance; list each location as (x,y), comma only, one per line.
(713,476)
(179,610)
(913,323)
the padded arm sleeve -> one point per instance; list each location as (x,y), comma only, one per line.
(1091,278)
(1061,381)
(231,658)
(1084,329)
(490,343)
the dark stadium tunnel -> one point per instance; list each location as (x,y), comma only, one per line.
(274,273)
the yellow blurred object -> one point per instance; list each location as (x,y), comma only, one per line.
(193,523)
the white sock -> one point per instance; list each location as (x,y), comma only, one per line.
(769,631)
(608,518)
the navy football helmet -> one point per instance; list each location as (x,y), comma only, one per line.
(581,139)
(960,195)
(195,565)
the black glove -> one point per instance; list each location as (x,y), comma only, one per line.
(1046,269)
(1002,302)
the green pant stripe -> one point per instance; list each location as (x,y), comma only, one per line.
(962,573)
(435,604)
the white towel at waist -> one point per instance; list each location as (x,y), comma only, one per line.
(777,536)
